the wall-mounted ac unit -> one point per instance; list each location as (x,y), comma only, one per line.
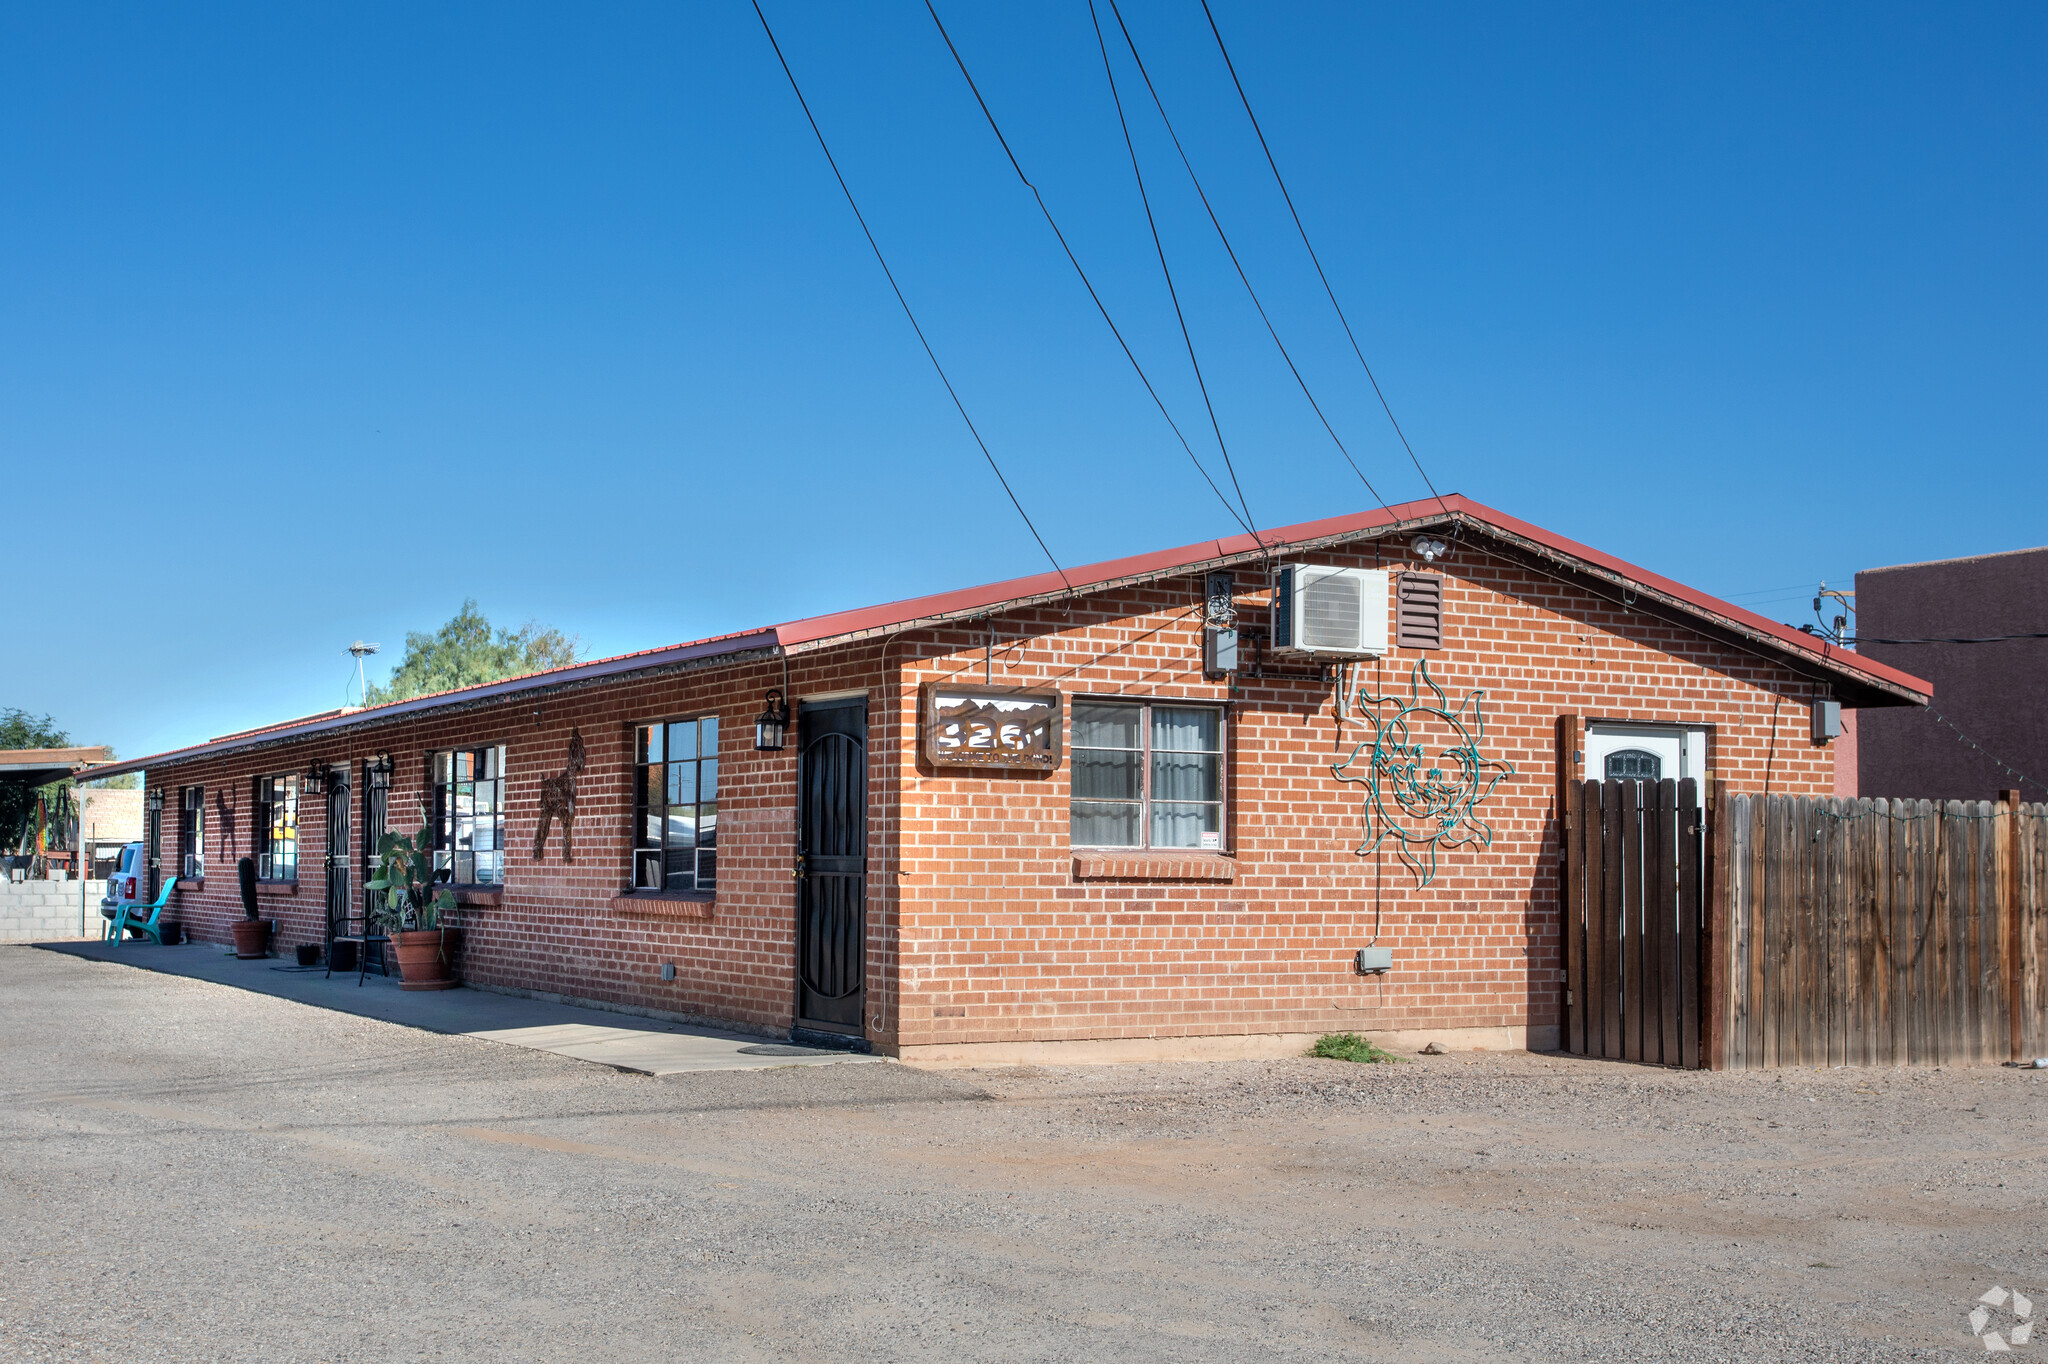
(1341,611)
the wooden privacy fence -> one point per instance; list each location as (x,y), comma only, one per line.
(1876,932)
(1633,893)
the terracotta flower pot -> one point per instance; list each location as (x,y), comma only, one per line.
(252,937)
(426,958)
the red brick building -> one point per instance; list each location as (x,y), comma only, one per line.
(1027,820)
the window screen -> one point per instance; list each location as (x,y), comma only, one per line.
(469,815)
(277,828)
(1146,775)
(192,831)
(675,816)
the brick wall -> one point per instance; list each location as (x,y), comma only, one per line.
(560,928)
(983,926)
(1008,937)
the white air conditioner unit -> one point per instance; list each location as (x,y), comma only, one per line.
(1340,611)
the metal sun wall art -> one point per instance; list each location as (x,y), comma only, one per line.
(1423,802)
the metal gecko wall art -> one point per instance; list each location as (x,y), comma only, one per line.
(1424,800)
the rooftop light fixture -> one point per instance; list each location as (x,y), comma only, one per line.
(1430,549)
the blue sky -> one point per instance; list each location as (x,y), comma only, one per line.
(314,322)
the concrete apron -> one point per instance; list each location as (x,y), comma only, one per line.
(1216,1047)
(649,1047)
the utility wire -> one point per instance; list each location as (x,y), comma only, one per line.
(1281,181)
(1242,520)
(1978,639)
(874,246)
(1224,237)
(1186,337)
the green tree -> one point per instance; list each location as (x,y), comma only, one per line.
(19,729)
(465,651)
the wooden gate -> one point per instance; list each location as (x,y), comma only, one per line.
(1633,882)
(1876,932)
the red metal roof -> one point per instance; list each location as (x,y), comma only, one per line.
(1419,514)
(820,631)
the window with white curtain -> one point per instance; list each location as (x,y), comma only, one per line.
(1146,774)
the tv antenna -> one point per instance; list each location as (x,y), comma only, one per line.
(361,651)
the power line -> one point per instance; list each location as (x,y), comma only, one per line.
(898,290)
(1164,268)
(1224,237)
(1281,181)
(1088,284)
(1953,639)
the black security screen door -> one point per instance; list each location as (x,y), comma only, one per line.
(832,864)
(339,897)
(376,798)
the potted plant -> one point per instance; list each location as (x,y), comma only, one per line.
(252,935)
(411,910)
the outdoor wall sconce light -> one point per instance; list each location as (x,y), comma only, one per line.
(772,724)
(316,775)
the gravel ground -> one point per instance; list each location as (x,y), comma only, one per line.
(190,1172)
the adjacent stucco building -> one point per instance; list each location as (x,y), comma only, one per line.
(1988,728)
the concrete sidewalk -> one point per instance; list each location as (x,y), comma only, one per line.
(622,1041)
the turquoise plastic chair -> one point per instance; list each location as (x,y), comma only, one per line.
(123,919)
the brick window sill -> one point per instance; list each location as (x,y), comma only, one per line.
(486,897)
(658,904)
(1138,864)
(191,883)
(277,887)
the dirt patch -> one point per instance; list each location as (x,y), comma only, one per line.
(191,1172)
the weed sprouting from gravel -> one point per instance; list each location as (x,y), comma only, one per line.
(1349,1046)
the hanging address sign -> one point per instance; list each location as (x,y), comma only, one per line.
(985,726)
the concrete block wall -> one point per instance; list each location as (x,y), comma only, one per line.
(39,911)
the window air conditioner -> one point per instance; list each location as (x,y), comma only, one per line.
(1319,610)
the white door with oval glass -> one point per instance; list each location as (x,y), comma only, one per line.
(1631,752)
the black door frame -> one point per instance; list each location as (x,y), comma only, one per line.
(376,803)
(153,840)
(818,722)
(340,895)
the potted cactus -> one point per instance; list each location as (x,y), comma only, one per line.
(252,934)
(411,909)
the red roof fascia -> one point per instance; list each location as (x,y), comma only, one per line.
(1827,653)
(713,646)
(995,595)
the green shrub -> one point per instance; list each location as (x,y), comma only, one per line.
(1349,1046)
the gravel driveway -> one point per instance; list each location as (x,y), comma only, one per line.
(191,1172)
